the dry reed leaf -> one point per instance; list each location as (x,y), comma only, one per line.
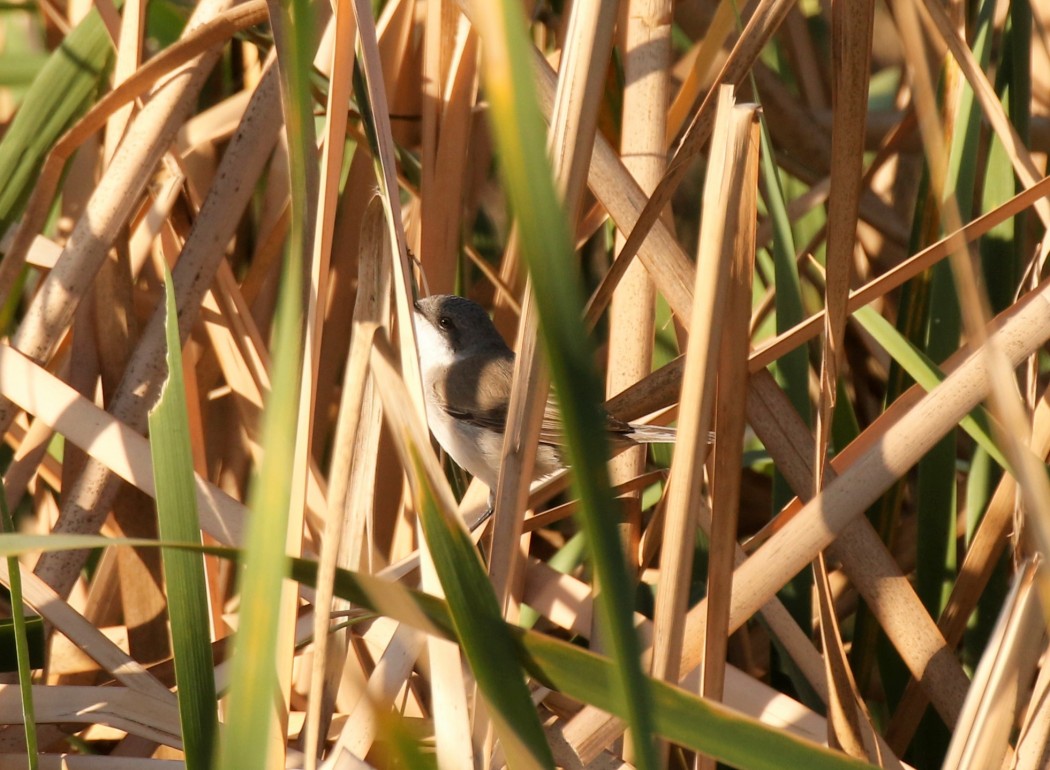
(239,359)
(97,762)
(87,637)
(43,253)
(863,481)
(31,460)
(701,69)
(530,387)
(1001,680)
(399,657)
(981,557)
(766,19)
(214,125)
(1033,742)
(129,53)
(450,84)
(849,727)
(851,50)
(452,691)
(373,67)
(715,259)
(646,45)
(121,450)
(740,204)
(351,428)
(134,712)
(770,351)
(615,188)
(849,724)
(205,37)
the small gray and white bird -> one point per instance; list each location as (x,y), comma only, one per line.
(467,371)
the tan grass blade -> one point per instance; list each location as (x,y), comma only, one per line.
(851,36)
(1033,742)
(622,197)
(197,41)
(450,712)
(120,449)
(702,68)
(632,313)
(372,66)
(320,694)
(1001,679)
(134,712)
(129,53)
(85,503)
(849,727)
(87,637)
(740,205)
(760,27)
(851,51)
(770,351)
(981,558)
(725,190)
(821,520)
(449,92)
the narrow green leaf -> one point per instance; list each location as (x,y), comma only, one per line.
(926,373)
(18,619)
(791,370)
(76,70)
(678,716)
(253,681)
(184,577)
(486,640)
(546,244)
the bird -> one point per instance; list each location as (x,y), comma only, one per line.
(467,370)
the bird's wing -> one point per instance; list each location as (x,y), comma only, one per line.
(475,392)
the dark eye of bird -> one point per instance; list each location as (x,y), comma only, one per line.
(445,322)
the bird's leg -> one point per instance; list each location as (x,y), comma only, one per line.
(491,509)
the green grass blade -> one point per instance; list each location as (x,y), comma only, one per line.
(677,715)
(184,576)
(18,618)
(791,370)
(484,637)
(75,70)
(926,373)
(254,682)
(546,244)
(253,679)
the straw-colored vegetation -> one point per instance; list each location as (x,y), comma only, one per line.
(815,230)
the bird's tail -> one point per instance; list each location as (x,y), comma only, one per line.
(657,434)
(652,434)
